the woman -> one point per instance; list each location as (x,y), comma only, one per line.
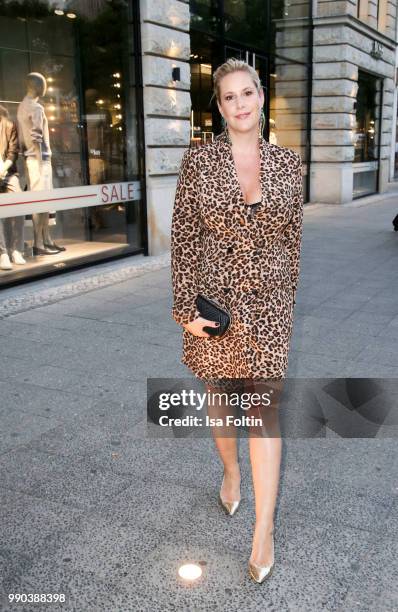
(236,238)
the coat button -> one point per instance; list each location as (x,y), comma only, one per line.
(254,291)
(230,250)
(227,289)
(258,252)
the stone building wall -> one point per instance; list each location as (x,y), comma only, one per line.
(167,105)
(289,106)
(343,45)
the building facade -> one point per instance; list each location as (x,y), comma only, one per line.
(120,88)
(353,97)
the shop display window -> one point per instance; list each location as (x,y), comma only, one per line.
(68,127)
(368,109)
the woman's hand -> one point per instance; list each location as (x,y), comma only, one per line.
(195,327)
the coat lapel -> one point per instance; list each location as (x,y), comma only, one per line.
(264,169)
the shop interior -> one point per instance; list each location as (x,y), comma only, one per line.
(71,110)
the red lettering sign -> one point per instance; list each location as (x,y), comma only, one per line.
(117,192)
(114,193)
(105,194)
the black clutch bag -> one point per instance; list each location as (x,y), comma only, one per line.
(209,309)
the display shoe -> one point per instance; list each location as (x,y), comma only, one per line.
(5,263)
(260,572)
(41,251)
(17,258)
(230,507)
(54,246)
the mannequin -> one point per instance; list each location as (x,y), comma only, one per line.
(35,145)
(11,229)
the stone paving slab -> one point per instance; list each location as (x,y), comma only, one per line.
(77,482)
(44,401)
(92,385)
(29,525)
(17,427)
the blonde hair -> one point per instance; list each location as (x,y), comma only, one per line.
(230,66)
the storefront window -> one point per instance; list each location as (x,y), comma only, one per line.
(366,117)
(67,95)
(205,15)
(245,21)
(366,135)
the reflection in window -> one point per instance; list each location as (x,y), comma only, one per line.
(205,16)
(104,74)
(366,136)
(367,117)
(205,57)
(245,21)
(201,118)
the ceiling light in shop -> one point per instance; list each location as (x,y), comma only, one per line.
(116,75)
(71,15)
(59,12)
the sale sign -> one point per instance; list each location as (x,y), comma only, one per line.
(28,202)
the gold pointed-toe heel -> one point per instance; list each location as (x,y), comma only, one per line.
(260,572)
(229,507)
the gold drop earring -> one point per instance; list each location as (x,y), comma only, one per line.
(226,131)
(261,124)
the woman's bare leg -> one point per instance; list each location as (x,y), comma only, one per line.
(265,449)
(226,442)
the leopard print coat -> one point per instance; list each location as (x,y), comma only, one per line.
(245,258)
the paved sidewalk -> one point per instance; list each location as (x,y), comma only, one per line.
(92,508)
